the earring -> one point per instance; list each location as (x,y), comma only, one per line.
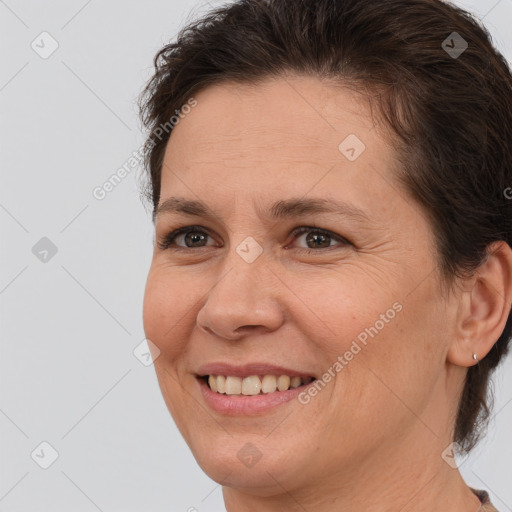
(475,358)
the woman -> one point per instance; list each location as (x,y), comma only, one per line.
(331,284)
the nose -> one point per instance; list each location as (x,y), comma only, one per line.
(244,301)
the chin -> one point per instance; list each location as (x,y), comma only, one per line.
(244,464)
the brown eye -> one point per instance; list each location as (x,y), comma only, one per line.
(317,238)
(193,237)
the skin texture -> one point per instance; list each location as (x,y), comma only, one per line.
(372,439)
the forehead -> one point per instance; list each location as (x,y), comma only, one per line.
(290,113)
(289,134)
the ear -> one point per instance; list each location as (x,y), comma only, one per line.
(484,306)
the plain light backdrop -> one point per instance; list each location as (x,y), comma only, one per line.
(73,269)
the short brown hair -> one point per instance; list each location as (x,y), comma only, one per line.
(450,115)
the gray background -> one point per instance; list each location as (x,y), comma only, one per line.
(70,324)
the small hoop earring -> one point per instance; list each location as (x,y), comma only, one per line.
(476,358)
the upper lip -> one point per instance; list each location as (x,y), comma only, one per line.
(249,369)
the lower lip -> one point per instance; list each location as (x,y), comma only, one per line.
(246,405)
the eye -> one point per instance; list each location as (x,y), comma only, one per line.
(318,238)
(195,237)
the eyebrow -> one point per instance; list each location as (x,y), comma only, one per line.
(289,208)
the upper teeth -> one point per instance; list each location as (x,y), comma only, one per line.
(254,384)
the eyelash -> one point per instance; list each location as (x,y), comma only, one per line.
(167,241)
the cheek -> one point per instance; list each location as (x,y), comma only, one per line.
(338,307)
(389,340)
(164,319)
(165,313)
(400,363)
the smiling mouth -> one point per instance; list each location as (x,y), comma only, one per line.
(254,384)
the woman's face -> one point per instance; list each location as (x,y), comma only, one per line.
(360,303)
